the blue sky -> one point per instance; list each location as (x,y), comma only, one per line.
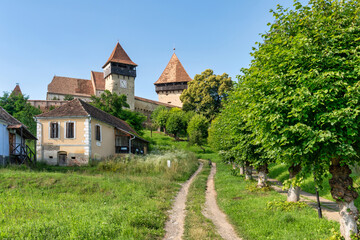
(40,39)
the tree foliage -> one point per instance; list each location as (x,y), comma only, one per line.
(114,104)
(198,130)
(68,97)
(205,93)
(19,108)
(175,123)
(302,92)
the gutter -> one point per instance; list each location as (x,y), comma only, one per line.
(130,143)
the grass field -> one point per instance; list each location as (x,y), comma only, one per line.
(247,210)
(280,172)
(110,201)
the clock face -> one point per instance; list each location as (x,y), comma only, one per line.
(123,84)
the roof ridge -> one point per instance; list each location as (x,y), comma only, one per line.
(98,109)
(81,104)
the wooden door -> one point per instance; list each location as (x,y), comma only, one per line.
(12,142)
(62,159)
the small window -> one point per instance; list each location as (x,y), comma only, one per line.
(54,130)
(70,130)
(98,133)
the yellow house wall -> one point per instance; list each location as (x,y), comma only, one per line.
(105,147)
(77,149)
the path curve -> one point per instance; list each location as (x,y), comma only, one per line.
(174,227)
(213,212)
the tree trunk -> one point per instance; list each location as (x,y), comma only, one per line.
(294,191)
(242,170)
(343,192)
(248,171)
(263,171)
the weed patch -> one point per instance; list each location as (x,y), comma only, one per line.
(252,187)
(285,206)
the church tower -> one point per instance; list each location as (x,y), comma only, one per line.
(172,82)
(119,74)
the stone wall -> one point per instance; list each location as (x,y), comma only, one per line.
(170,97)
(114,85)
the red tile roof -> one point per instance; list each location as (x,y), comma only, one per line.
(119,55)
(15,124)
(174,72)
(17,90)
(99,81)
(71,86)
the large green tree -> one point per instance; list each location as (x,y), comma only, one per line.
(205,93)
(116,105)
(304,92)
(175,123)
(18,107)
(197,130)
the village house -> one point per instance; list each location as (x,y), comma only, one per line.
(76,132)
(13,136)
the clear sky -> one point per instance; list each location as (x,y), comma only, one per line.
(40,39)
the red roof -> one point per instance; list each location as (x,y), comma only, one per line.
(17,90)
(174,72)
(71,86)
(99,81)
(119,55)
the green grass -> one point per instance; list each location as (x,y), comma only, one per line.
(108,201)
(198,227)
(160,141)
(280,172)
(247,209)
(252,220)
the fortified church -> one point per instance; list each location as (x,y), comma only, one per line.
(118,76)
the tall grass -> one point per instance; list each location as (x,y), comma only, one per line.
(182,164)
(120,198)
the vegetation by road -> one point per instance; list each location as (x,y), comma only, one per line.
(247,209)
(198,227)
(116,199)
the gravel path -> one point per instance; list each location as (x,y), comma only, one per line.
(213,212)
(174,227)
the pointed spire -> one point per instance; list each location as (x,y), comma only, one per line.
(174,72)
(17,90)
(119,55)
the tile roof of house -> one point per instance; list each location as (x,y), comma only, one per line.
(71,86)
(174,72)
(6,117)
(15,124)
(17,90)
(99,80)
(119,55)
(155,102)
(78,107)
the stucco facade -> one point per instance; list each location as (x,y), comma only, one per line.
(77,149)
(91,134)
